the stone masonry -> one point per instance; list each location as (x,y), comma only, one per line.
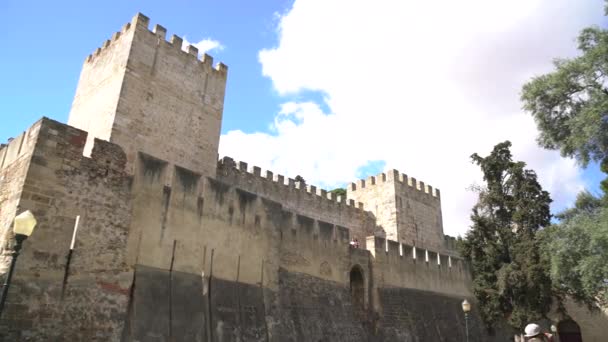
(174,245)
(147,95)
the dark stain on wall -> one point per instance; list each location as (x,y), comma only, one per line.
(326,230)
(286,220)
(245,198)
(413,315)
(306,224)
(150,305)
(312,309)
(152,168)
(274,212)
(343,234)
(165,210)
(238,312)
(156,299)
(230,214)
(393,246)
(306,309)
(200,201)
(187,179)
(219,189)
(188,303)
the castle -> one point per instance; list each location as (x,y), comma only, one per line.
(174,245)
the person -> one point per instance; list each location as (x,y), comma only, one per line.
(356,243)
(533,333)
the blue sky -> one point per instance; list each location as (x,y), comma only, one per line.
(45,44)
(329,92)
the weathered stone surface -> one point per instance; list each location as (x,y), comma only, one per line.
(140,81)
(151,305)
(313,309)
(408,210)
(412,315)
(188,303)
(92,291)
(238,312)
(15,159)
(159,218)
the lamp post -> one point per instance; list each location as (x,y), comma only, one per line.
(466,307)
(23,228)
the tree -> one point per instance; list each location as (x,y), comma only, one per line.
(570,105)
(339,192)
(509,279)
(300,179)
(577,250)
(585,203)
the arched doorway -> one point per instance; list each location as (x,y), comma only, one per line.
(569,331)
(357,288)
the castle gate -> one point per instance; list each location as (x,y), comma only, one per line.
(357,288)
(569,331)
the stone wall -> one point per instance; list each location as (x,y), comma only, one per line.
(412,315)
(92,293)
(400,265)
(313,309)
(203,260)
(178,226)
(15,158)
(307,200)
(228,244)
(592,323)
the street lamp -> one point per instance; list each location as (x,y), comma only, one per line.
(23,228)
(466,308)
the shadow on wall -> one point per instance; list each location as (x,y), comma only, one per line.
(569,331)
(357,289)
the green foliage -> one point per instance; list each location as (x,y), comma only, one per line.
(509,279)
(339,192)
(577,250)
(570,105)
(300,179)
(585,203)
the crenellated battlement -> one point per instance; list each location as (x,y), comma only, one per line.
(104,47)
(408,209)
(413,253)
(299,228)
(306,200)
(408,266)
(142,22)
(396,177)
(284,184)
(19,146)
(180,118)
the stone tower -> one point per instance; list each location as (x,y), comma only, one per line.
(408,210)
(148,95)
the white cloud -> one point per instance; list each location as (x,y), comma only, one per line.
(203,46)
(419,84)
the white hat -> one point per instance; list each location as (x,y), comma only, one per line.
(532,330)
